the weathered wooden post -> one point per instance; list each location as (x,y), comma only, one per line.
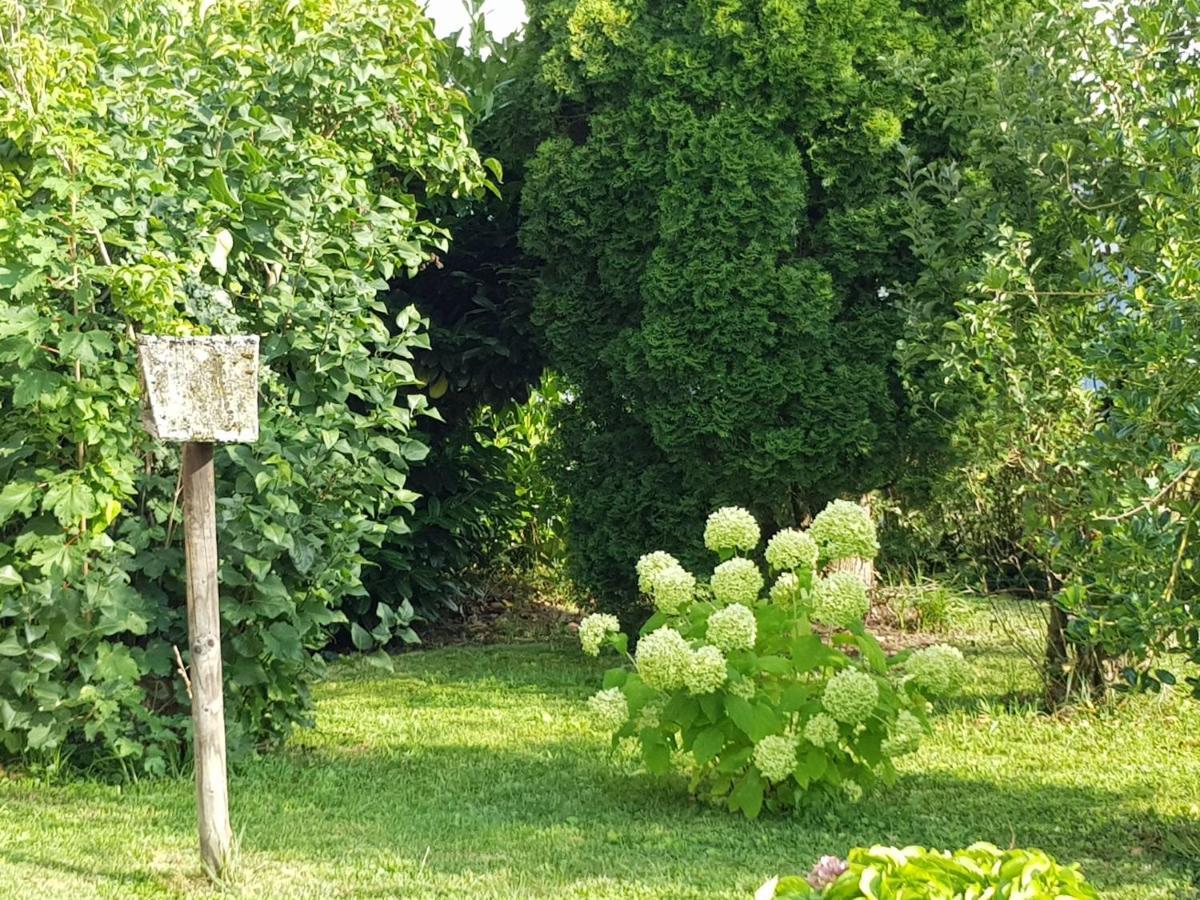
(197,391)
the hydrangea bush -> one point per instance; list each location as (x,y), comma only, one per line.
(891,873)
(766,685)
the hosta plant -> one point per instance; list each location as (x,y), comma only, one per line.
(888,873)
(764,685)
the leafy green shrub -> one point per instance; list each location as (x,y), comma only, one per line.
(170,166)
(981,870)
(1051,330)
(767,700)
(715,208)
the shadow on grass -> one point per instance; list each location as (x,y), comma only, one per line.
(539,668)
(51,866)
(559,805)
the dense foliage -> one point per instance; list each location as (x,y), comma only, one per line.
(181,167)
(715,212)
(890,873)
(1053,327)
(483,492)
(769,696)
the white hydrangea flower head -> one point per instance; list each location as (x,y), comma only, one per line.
(937,670)
(594,629)
(792,549)
(775,756)
(743,687)
(821,729)
(650,716)
(840,600)
(850,696)
(707,671)
(650,565)
(663,658)
(785,590)
(905,735)
(733,628)
(731,528)
(610,708)
(672,589)
(737,580)
(844,530)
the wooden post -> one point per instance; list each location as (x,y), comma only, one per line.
(198,390)
(204,639)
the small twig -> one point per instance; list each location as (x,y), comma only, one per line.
(102,247)
(1146,504)
(174,506)
(1169,593)
(187,682)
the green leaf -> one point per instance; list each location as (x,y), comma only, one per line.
(774,665)
(872,652)
(11,646)
(47,657)
(17,496)
(708,744)
(115,663)
(218,187)
(812,765)
(380,660)
(40,737)
(9,577)
(747,794)
(756,720)
(808,653)
(360,637)
(32,384)
(614,678)
(70,499)
(282,641)
(742,714)
(656,752)
(54,558)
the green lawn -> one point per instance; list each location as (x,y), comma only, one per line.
(474,772)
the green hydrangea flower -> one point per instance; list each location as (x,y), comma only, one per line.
(840,600)
(821,729)
(594,629)
(663,658)
(650,565)
(850,696)
(731,528)
(737,580)
(706,672)
(672,589)
(743,687)
(844,530)
(610,708)
(785,590)
(651,715)
(905,735)
(937,670)
(792,549)
(853,791)
(775,756)
(733,628)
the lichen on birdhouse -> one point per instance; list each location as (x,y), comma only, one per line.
(202,389)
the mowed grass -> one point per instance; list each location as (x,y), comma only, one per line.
(475,772)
